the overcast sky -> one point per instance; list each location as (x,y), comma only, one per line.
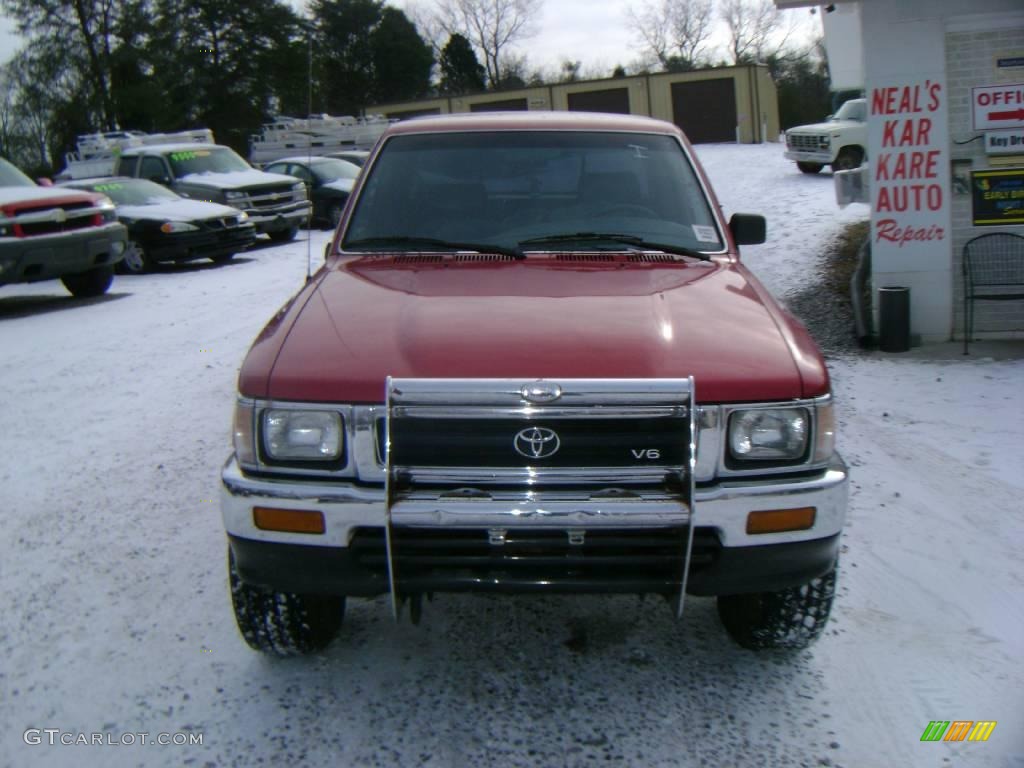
(593,32)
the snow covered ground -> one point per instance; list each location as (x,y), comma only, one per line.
(114,612)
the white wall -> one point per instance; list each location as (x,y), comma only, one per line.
(843,46)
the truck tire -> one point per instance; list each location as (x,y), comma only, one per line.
(791,618)
(283,623)
(810,167)
(284,235)
(84,285)
(848,159)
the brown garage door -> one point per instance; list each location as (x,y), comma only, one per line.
(705,109)
(614,100)
(509,105)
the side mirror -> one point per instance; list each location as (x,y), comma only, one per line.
(748,228)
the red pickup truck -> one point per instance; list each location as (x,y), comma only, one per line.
(533,362)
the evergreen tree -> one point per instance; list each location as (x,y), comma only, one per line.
(344,53)
(402,60)
(461,71)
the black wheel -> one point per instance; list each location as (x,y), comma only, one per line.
(135,260)
(84,285)
(848,159)
(222,258)
(791,618)
(284,235)
(283,623)
(810,167)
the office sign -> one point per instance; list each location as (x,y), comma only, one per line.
(998,106)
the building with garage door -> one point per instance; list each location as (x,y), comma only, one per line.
(724,104)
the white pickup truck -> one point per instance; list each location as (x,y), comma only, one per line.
(841,141)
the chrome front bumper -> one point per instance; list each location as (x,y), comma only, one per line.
(823,157)
(722,506)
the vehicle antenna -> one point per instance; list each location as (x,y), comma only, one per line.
(309,137)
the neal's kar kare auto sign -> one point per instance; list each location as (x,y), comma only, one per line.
(908,138)
(998,196)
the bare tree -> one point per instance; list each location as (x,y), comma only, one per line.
(491,26)
(756,29)
(676,32)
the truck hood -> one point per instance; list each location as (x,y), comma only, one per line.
(364,321)
(55,195)
(236,179)
(831,128)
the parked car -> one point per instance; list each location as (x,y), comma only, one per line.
(534,361)
(165,227)
(841,141)
(277,205)
(48,233)
(357,156)
(328,182)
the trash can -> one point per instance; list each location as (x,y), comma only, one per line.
(894,318)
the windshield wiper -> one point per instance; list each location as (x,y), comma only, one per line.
(431,243)
(616,237)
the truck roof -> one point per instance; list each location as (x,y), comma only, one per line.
(158,149)
(535,121)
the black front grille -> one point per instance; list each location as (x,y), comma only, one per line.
(72,222)
(512,443)
(272,196)
(54,227)
(535,559)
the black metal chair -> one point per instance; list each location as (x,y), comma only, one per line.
(993,269)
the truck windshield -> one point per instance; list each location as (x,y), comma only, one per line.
(206,160)
(504,188)
(854,109)
(12,177)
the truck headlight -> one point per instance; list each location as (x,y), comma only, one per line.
(233,194)
(299,191)
(170,227)
(769,434)
(297,435)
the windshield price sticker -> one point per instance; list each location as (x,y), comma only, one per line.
(189,155)
(705,234)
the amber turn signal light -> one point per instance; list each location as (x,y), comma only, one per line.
(288,520)
(779,520)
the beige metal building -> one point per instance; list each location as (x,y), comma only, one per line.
(711,105)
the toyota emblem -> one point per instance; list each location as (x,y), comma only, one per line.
(537,442)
